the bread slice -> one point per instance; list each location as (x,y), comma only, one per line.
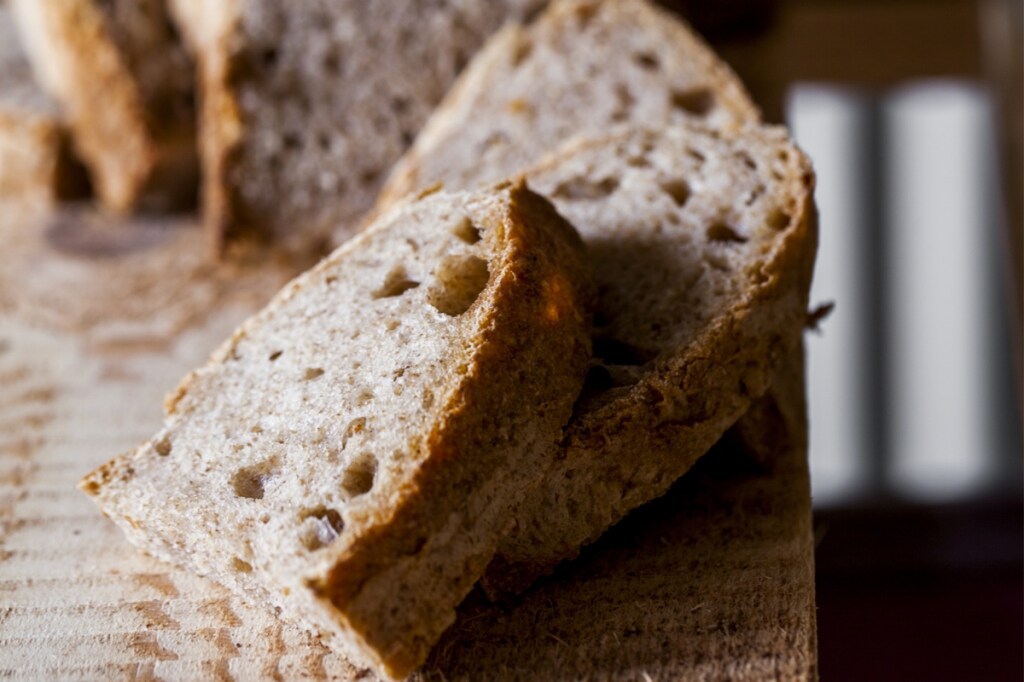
(35,160)
(307,104)
(354,452)
(581,67)
(126,86)
(702,245)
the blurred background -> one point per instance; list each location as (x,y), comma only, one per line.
(911,112)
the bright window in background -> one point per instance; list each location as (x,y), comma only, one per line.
(909,386)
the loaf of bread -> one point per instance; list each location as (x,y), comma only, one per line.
(354,452)
(582,66)
(306,104)
(126,86)
(35,161)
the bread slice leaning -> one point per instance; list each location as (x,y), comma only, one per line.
(582,66)
(126,86)
(702,245)
(354,452)
(307,104)
(35,161)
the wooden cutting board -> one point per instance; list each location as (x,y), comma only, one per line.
(99,318)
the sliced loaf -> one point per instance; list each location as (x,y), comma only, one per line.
(702,246)
(306,104)
(582,66)
(126,86)
(35,161)
(354,452)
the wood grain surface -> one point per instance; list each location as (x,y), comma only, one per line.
(99,318)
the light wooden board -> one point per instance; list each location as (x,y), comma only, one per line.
(99,319)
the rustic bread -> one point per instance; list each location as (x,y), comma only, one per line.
(354,452)
(126,86)
(306,104)
(582,66)
(702,246)
(35,161)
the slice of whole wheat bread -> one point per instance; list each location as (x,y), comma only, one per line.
(35,162)
(308,103)
(126,86)
(702,246)
(581,67)
(354,452)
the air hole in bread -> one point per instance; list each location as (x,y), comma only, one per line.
(616,352)
(249,481)
(399,105)
(586,12)
(320,527)
(495,139)
(647,61)
(755,194)
(332,63)
(241,566)
(312,373)
(275,355)
(747,161)
(358,478)
(678,190)
(459,281)
(163,446)
(460,60)
(696,156)
(354,428)
(395,284)
(407,138)
(522,52)
(624,102)
(291,141)
(585,188)
(778,219)
(696,102)
(467,231)
(269,57)
(722,233)
(369,177)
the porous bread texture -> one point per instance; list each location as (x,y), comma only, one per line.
(582,66)
(126,85)
(354,452)
(308,103)
(702,245)
(31,129)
